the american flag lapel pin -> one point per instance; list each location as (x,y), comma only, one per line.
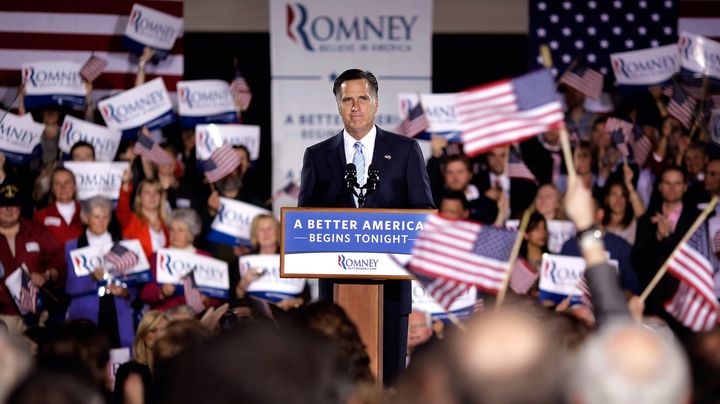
(388,157)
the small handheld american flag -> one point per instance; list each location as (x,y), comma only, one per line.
(241,91)
(223,161)
(680,106)
(28,292)
(121,258)
(586,80)
(517,169)
(415,123)
(92,69)
(144,146)
(193,298)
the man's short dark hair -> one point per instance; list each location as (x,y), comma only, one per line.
(461,158)
(672,168)
(82,143)
(456,195)
(356,74)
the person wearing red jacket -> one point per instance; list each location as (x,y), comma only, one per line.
(62,217)
(24,242)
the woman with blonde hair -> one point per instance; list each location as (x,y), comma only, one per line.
(146,220)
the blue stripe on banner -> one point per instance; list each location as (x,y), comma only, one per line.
(137,278)
(63,100)
(557,298)
(22,159)
(163,120)
(137,48)
(191,121)
(227,239)
(272,297)
(451,136)
(462,314)
(214,292)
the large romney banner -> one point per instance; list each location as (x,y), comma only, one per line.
(313,42)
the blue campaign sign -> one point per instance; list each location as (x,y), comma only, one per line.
(352,230)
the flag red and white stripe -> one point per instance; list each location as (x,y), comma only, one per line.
(695,303)
(415,123)
(508,111)
(45,30)
(92,69)
(241,92)
(28,292)
(193,298)
(586,80)
(517,169)
(144,146)
(680,106)
(223,161)
(464,252)
(523,277)
(121,258)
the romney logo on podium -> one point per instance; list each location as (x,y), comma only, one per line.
(362,264)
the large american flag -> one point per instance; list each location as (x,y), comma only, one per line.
(584,79)
(462,253)
(507,111)
(415,123)
(695,303)
(144,146)
(223,161)
(193,298)
(28,292)
(587,32)
(121,258)
(46,30)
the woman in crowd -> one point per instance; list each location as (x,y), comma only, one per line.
(622,206)
(534,245)
(146,220)
(548,202)
(183,225)
(111,309)
(265,239)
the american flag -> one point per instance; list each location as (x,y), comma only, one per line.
(619,131)
(223,161)
(508,111)
(695,303)
(92,68)
(522,277)
(121,258)
(716,242)
(584,79)
(241,91)
(589,31)
(28,292)
(517,169)
(462,253)
(193,298)
(291,189)
(415,123)
(640,145)
(680,106)
(144,146)
(72,31)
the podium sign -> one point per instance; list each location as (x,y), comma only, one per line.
(348,243)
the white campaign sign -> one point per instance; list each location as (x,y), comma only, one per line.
(172,265)
(53,77)
(645,66)
(86,259)
(153,28)
(270,284)
(210,137)
(105,141)
(97,178)
(439,108)
(423,301)
(204,98)
(137,106)
(699,55)
(18,134)
(234,218)
(560,274)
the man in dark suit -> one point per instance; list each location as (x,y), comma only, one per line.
(403,184)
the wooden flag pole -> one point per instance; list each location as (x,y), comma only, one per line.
(567,154)
(686,237)
(513,256)
(704,91)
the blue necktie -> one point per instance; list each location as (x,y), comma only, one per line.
(359,161)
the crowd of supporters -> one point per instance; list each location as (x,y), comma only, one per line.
(296,350)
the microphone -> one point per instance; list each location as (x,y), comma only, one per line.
(350,177)
(373,178)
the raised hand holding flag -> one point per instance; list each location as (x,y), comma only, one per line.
(223,161)
(144,146)
(193,298)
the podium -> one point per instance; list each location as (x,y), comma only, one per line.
(358,249)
